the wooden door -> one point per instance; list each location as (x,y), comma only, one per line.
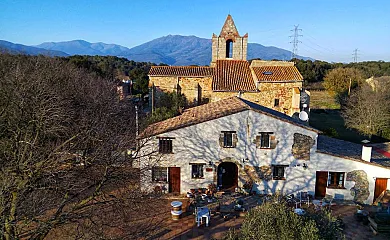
(380,186)
(321,182)
(174,179)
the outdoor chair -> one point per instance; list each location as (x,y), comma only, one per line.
(304,198)
(202,213)
(327,201)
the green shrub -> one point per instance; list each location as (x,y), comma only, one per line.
(275,221)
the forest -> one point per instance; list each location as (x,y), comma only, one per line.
(315,71)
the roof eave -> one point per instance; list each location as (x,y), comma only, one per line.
(352,159)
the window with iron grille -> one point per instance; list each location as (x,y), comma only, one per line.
(278,172)
(160,174)
(165,145)
(197,170)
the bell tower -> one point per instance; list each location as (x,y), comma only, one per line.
(229,44)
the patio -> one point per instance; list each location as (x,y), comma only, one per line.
(186,227)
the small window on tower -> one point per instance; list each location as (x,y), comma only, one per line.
(229,48)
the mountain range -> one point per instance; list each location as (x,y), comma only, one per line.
(172,49)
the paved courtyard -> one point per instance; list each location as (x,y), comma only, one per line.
(186,228)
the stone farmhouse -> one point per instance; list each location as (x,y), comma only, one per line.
(232,141)
(274,84)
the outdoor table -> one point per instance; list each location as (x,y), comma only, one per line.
(299,211)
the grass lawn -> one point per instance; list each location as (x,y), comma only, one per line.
(322,100)
(325,115)
(325,120)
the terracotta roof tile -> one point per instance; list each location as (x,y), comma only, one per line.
(277,73)
(212,111)
(196,115)
(187,71)
(233,75)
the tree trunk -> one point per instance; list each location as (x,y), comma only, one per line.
(10,232)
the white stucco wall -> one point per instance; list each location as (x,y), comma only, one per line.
(200,144)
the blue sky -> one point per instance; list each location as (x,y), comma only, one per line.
(331,29)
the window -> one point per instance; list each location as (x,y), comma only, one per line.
(276,102)
(278,172)
(228,139)
(336,179)
(197,170)
(165,145)
(160,174)
(229,48)
(265,139)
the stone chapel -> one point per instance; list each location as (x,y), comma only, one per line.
(273,84)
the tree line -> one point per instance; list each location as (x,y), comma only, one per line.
(116,68)
(315,71)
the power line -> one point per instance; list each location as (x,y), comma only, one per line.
(355,55)
(295,40)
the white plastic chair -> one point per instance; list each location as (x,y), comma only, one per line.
(202,213)
(304,198)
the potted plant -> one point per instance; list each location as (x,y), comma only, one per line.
(359,209)
(212,189)
(359,212)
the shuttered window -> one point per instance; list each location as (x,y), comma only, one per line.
(266,140)
(228,139)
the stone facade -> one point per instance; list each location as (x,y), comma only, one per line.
(229,34)
(281,93)
(360,191)
(301,147)
(265,96)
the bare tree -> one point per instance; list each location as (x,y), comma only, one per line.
(367,109)
(64,138)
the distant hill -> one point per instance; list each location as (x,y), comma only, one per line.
(81,47)
(192,50)
(28,50)
(172,49)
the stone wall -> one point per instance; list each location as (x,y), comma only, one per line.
(360,191)
(301,147)
(266,95)
(219,48)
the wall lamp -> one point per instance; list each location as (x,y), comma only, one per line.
(305,166)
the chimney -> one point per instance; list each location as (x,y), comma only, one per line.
(366,153)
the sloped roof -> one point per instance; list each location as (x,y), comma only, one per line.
(277,73)
(229,28)
(234,76)
(349,150)
(212,111)
(184,71)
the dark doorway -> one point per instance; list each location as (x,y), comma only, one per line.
(227,175)
(229,48)
(174,179)
(380,186)
(321,182)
